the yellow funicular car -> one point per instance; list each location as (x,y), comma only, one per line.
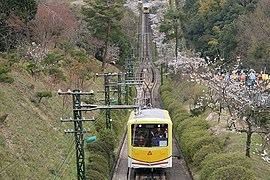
(150,139)
(146,7)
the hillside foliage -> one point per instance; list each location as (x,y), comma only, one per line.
(227,29)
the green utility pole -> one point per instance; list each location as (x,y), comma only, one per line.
(119,88)
(161,71)
(78,133)
(107,100)
(126,89)
(130,70)
(78,130)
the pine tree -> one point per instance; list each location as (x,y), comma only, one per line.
(103,19)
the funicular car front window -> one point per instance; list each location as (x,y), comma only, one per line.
(149,135)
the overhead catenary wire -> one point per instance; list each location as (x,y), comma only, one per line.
(24,152)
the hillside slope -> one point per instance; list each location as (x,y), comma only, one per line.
(33,144)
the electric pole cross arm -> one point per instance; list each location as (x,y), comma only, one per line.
(90,107)
(78,130)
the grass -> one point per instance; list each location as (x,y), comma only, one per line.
(236,142)
(32,137)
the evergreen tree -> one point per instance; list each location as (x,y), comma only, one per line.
(171,26)
(103,18)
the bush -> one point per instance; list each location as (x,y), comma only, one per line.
(94,175)
(178,110)
(5,79)
(3,74)
(101,148)
(188,138)
(232,172)
(4,69)
(189,135)
(44,94)
(223,160)
(99,158)
(200,155)
(99,167)
(168,100)
(202,141)
(165,87)
(192,122)
(197,111)
(173,106)
(179,118)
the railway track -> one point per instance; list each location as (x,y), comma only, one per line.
(147,95)
(150,175)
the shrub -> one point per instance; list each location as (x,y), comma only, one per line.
(101,148)
(3,74)
(4,69)
(94,175)
(6,79)
(202,141)
(223,160)
(192,122)
(232,172)
(197,111)
(165,87)
(99,158)
(179,118)
(109,137)
(178,110)
(188,138)
(191,134)
(168,100)
(173,106)
(44,94)
(200,155)
(99,167)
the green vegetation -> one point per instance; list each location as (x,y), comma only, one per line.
(45,94)
(102,155)
(229,28)
(4,70)
(103,21)
(209,156)
(171,26)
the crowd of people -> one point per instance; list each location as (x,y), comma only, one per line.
(250,78)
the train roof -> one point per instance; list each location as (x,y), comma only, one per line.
(146,4)
(150,115)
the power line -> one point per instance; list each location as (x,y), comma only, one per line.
(46,161)
(63,163)
(66,166)
(70,151)
(25,151)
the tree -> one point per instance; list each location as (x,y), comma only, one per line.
(102,17)
(53,21)
(24,10)
(254,40)
(171,26)
(213,28)
(247,108)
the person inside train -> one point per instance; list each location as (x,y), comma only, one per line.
(141,140)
